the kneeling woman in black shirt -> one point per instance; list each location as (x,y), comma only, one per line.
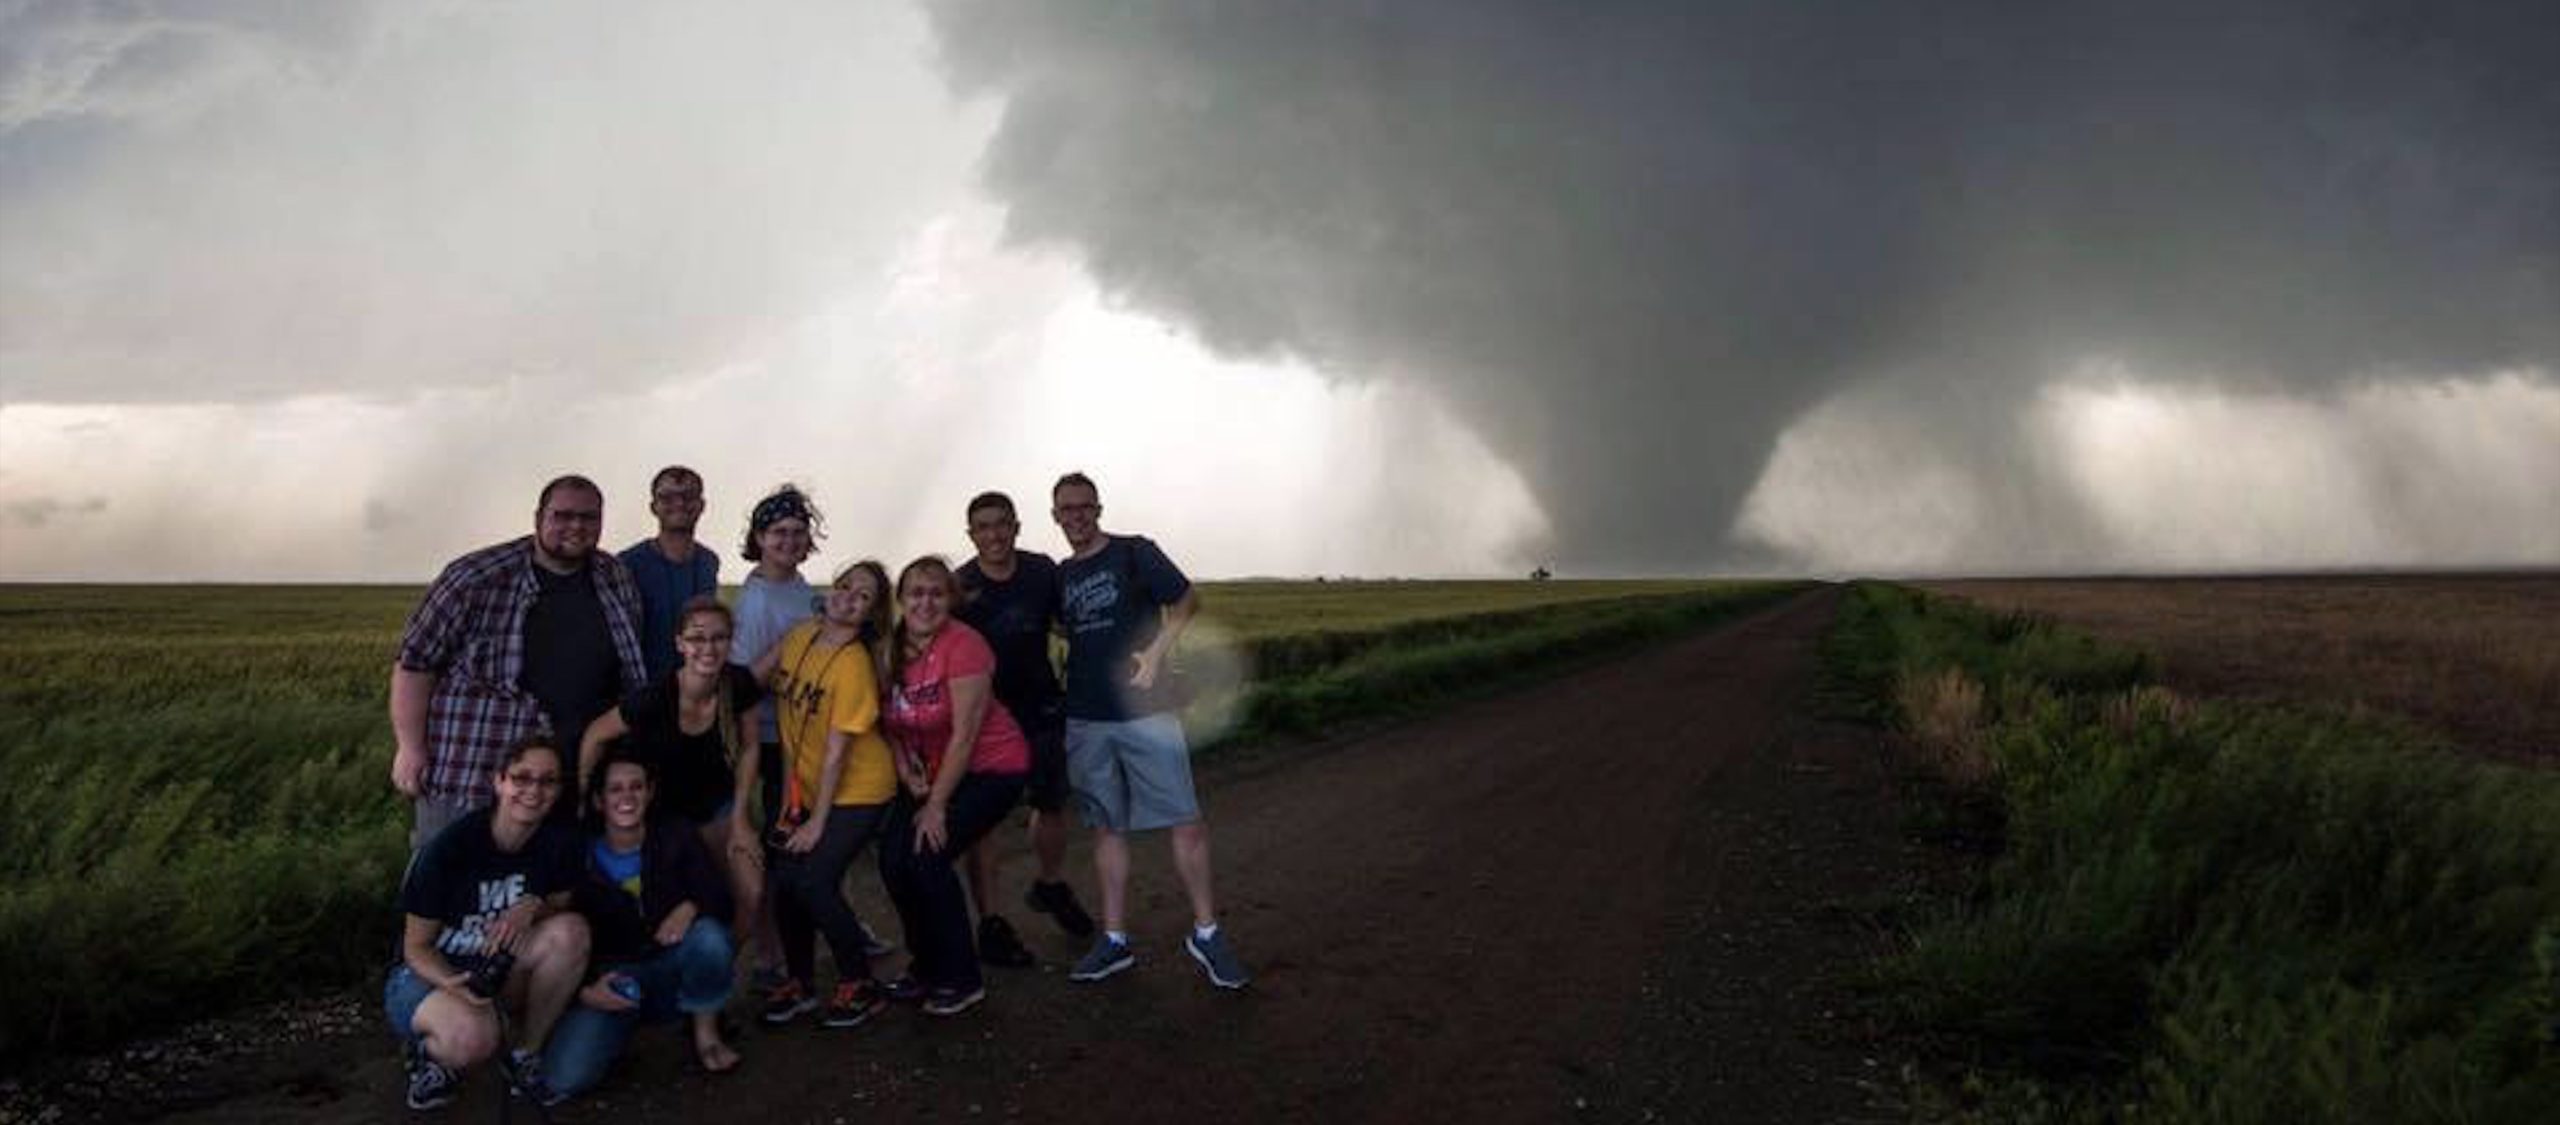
(488,923)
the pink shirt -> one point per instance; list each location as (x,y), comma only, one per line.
(920,706)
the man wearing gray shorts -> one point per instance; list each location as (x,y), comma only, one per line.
(1123,605)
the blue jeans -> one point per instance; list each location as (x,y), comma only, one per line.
(690,976)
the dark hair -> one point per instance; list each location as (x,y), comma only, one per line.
(705,603)
(528,744)
(924,566)
(568,480)
(785,502)
(1075,478)
(987,500)
(618,754)
(678,472)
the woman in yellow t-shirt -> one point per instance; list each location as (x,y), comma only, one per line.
(837,781)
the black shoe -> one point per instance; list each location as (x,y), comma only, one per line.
(999,945)
(1058,901)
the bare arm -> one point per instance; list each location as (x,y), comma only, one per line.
(418,949)
(606,728)
(410,691)
(1177,617)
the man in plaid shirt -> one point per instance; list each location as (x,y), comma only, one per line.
(538,633)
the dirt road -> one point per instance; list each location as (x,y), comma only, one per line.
(1624,894)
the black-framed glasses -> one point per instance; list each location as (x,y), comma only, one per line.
(535,780)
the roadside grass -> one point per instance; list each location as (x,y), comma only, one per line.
(2212,912)
(198,815)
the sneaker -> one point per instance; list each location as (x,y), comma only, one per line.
(855,1001)
(788,1001)
(1218,959)
(766,978)
(999,945)
(903,990)
(1058,901)
(873,945)
(952,1001)
(431,1083)
(1108,957)
(524,1076)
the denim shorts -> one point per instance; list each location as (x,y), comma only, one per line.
(402,992)
(1131,776)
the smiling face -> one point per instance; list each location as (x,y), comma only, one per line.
(785,543)
(565,528)
(924,600)
(676,499)
(527,786)
(849,601)
(1078,510)
(702,642)
(992,530)
(624,796)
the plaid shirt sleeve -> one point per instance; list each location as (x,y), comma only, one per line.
(469,631)
(621,598)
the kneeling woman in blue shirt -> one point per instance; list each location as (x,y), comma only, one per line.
(659,911)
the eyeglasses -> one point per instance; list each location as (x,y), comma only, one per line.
(705,638)
(534,780)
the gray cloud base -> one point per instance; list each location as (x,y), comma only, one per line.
(1632,242)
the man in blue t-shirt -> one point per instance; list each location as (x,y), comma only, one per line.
(1123,605)
(671,568)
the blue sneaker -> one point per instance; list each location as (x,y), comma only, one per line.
(524,1076)
(431,1083)
(1218,959)
(1108,957)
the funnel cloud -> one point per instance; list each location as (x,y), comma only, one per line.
(1632,244)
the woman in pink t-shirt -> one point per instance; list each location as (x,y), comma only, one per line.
(961,766)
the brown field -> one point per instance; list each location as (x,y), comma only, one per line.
(2474,656)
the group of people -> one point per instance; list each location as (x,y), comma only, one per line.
(621,782)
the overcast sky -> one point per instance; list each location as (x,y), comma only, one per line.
(299,292)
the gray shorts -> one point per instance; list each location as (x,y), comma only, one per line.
(1131,776)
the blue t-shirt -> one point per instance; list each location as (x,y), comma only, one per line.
(622,869)
(664,588)
(766,610)
(1014,616)
(1111,605)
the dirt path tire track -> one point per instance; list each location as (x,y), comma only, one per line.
(1625,894)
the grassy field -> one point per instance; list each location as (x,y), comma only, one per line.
(198,812)
(2472,656)
(2206,911)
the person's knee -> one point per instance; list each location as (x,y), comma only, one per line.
(558,939)
(456,1035)
(707,941)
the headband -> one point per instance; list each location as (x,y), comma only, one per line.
(788,504)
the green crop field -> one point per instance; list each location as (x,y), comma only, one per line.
(198,811)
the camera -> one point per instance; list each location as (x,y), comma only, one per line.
(491,977)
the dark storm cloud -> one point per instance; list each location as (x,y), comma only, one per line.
(1633,242)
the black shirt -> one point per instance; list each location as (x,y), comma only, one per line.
(462,880)
(1014,616)
(570,666)
(692,770)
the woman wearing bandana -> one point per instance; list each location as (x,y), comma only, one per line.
(782,530)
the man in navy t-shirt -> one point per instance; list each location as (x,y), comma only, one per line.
(1123,605)
(671,568)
